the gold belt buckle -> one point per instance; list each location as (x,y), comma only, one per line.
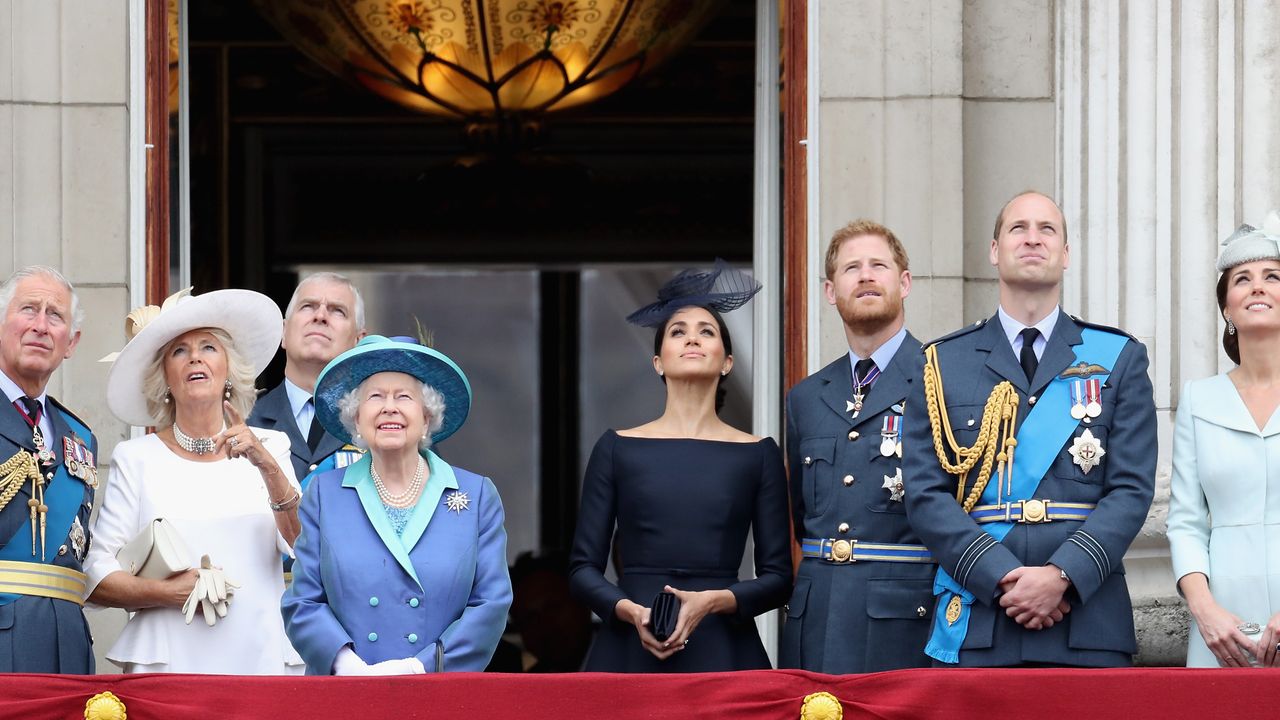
(1035,511)
(841,551)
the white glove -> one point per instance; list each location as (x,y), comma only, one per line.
(349,663)
(212,593)
(403,666)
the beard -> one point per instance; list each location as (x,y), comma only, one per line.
(870,318)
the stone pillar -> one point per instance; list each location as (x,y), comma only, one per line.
(929,115)
(1168,141)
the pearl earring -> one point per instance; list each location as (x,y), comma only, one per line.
(723,373)
(227,392)
(1231,328)
(167,394)
(659,373)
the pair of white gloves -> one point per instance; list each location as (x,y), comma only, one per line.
(349,663)
(212,593)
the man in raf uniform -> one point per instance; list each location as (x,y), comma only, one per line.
(47,481)
(864,590)
(1034,469)
(324,319)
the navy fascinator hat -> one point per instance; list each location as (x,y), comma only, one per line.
(722,289)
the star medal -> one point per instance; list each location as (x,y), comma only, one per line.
(1086,451)
(889,434)
(1077,399)
(1093,393)
(457,501)
(893,483)
(77,537)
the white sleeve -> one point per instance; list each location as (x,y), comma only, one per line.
(117,521)
(277,443)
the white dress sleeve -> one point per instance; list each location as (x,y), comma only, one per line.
(277,443)
(118,519)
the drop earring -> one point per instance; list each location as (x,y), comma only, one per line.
(167,394)
(226,393)
(1231,328)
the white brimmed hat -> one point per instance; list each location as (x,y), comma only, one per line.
(251,319)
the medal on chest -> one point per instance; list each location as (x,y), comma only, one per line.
(890,434)
(79,461)
(1086,451)
(893,483)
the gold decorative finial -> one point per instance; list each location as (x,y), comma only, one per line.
(104,706)
(821,706)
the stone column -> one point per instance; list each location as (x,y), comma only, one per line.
(1168,140)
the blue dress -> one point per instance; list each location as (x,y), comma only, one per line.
(683,509)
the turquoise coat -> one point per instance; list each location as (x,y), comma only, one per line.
(440,592)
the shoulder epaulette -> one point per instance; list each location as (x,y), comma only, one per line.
(65,411)
(962,331)
(1103,328)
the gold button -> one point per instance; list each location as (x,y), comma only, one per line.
(844,527)
(920,611)
(848,480)
(1031,400)
(853,434)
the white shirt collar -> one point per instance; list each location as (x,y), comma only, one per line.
(883,354)
(1012,328)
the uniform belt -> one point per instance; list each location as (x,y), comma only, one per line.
(1032,511)
(42,580)
(841,550)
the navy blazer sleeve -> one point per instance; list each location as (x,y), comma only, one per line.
(1095,550)
(594,536)
(772,584)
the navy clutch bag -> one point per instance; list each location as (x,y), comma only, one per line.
(663,615)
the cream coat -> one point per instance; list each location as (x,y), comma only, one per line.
(1224,517)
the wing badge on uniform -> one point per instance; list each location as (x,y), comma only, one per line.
(1083,369)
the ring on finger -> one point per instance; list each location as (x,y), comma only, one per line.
(234,441)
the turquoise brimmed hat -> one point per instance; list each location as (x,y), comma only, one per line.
(375,354)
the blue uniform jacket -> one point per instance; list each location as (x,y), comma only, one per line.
(863,616)
(39,634)
(439,593)
(1099,629)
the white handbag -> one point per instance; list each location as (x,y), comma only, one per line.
(156,553)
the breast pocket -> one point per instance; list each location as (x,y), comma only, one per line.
(817,457)
(965,420)
(1084,456)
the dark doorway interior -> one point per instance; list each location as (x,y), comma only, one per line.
(291,167)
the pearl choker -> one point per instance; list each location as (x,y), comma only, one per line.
(198,446)
(410,494)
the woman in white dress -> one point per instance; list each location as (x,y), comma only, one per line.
(1224,516)
(228,490)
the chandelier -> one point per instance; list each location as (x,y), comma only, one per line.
(489,60)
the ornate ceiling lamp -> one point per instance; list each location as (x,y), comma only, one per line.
(497,64)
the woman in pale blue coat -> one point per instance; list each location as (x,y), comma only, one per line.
(1224,516)
(401,565)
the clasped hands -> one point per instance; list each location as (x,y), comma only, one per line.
(694,606)
(1032,596)
(212,593)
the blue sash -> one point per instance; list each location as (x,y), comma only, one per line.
(63,495)
(1040,439)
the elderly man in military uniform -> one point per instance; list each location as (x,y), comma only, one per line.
(47,481)
(1034,469)
(324,318)
(864,589)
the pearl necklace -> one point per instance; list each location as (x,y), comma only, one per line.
(198,446)
(410,494)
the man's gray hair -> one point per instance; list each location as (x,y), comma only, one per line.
(10,286)
(433,408)
(334,278)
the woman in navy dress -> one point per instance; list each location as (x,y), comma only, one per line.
(684,491)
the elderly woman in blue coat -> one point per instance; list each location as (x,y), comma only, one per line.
(401,565)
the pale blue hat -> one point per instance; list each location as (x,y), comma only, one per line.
(1248,243)
(375,354)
